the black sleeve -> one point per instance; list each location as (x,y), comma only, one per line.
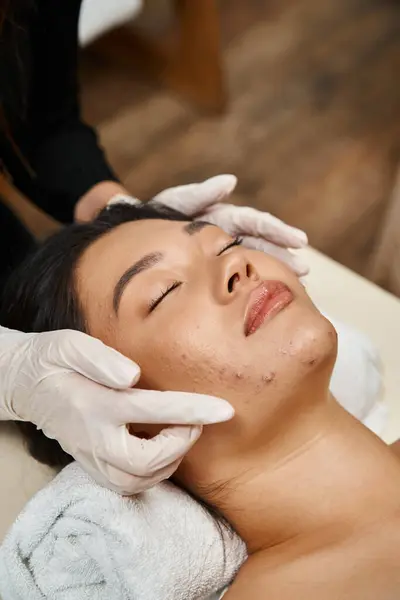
(64,151)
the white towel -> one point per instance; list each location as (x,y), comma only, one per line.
(76,540)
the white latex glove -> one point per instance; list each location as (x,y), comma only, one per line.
(77,390)
(259,230)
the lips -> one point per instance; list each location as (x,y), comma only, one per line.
(268,299)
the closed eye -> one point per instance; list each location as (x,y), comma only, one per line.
(236,242)
(173,286)
(156,301)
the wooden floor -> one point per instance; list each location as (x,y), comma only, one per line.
(312,129)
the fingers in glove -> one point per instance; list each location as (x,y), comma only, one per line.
(91,358)
(250,221)
(194,198)
(126,484)
(183,408)
(145,458)
(282,254)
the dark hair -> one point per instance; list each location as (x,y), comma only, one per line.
(41,294)
(15,19)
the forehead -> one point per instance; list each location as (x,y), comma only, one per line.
(137,238)
(104,261)
(131,240)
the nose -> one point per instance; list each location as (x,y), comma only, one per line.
(238,273)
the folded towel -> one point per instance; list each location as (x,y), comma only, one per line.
(76,540)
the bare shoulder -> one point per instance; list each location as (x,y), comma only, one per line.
(363,567)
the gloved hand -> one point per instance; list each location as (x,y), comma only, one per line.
(77,390)
(259,230)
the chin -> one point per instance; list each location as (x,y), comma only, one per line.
(315,345)
(307,339)
(302,366)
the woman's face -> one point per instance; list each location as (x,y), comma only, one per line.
(195,337)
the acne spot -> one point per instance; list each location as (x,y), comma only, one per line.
(183,356)
(269,377)
(239,375)
(310,360)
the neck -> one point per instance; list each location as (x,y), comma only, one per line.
(327,473)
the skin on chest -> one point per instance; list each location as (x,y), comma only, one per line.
(364,565)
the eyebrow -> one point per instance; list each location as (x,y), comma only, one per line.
(196,226)
(147,262)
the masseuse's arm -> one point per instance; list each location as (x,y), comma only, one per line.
(68,175)
(66,160)
(72,176)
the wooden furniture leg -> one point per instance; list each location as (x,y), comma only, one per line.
(189,64)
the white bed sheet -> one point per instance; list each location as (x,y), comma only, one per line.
(360,303)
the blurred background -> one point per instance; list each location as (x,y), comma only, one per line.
(298,98)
